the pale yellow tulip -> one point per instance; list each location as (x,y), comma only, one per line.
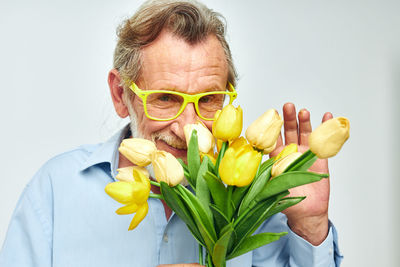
(126,174)
(327,140)
(280,165)
(205,138)
(137,150)
(167,168)
(264,131)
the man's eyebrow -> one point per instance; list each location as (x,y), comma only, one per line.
(211,88)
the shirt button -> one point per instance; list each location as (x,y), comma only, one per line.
(330,251)
(165,238)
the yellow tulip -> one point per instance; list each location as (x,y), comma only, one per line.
(228,123)
(264,131)
(133,194)
(205,138)
(126,174)
(211,155)
(329,137)
(239,164)
(137,150)
(219,144)
(289,149)
(280,165)
(167,168)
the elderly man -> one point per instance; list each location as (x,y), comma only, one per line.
(64,218)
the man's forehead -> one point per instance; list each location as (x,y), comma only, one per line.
(170,58)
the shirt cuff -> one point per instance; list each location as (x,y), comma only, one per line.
(303,253)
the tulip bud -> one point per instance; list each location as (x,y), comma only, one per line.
(126,174)
(289,149)
(239,164)
(137,150)
(167,168)
(329,137)
(205,138)
(228,123)
(281,165)
(264,131)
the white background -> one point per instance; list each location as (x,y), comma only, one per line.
(339,56)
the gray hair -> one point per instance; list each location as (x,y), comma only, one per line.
(187,19)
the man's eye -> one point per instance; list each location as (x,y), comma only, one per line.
(205,99)
(164,97)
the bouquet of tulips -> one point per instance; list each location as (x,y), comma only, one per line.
(232,192)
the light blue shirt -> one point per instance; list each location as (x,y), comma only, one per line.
(65,219)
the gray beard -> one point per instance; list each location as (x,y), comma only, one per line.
(137,134)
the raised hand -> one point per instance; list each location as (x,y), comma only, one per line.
(309,219)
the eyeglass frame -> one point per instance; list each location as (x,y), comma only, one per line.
(187,98)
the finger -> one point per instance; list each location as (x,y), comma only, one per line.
(327,116)
(304,126)
(290,123)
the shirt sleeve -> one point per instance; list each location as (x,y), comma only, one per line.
(303,253)
(28,241)
(294,251)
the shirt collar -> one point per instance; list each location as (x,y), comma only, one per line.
(107,152)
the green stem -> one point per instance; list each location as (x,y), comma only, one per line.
(228,202)
(220,156)
(154,183)
(201,254)
(152,195)
(209,261)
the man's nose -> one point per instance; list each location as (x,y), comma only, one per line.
(188,116)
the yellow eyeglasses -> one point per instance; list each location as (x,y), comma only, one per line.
(164,105)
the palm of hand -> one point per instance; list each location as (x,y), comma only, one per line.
(317,194)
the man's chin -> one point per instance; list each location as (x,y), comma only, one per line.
(178,153)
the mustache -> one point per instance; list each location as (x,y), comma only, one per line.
(169,139)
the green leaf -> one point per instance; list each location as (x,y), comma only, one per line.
(202,191)
(221,246)
(252,218)
(211,166)
(267,164)
(220,219)
(288,180)
(253,242)
(238,195)
(283,204)
(202,218)
(186,172)
(175,203)
(303,162)
(217,189)
(220,156)
(256,187)
(193,158)
(184,166)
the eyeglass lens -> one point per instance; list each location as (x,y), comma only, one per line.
(167,105)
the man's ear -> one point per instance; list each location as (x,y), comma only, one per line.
(117,91)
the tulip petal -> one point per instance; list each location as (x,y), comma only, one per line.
(289,149)
(128,209)
(120,191)
(139,216)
